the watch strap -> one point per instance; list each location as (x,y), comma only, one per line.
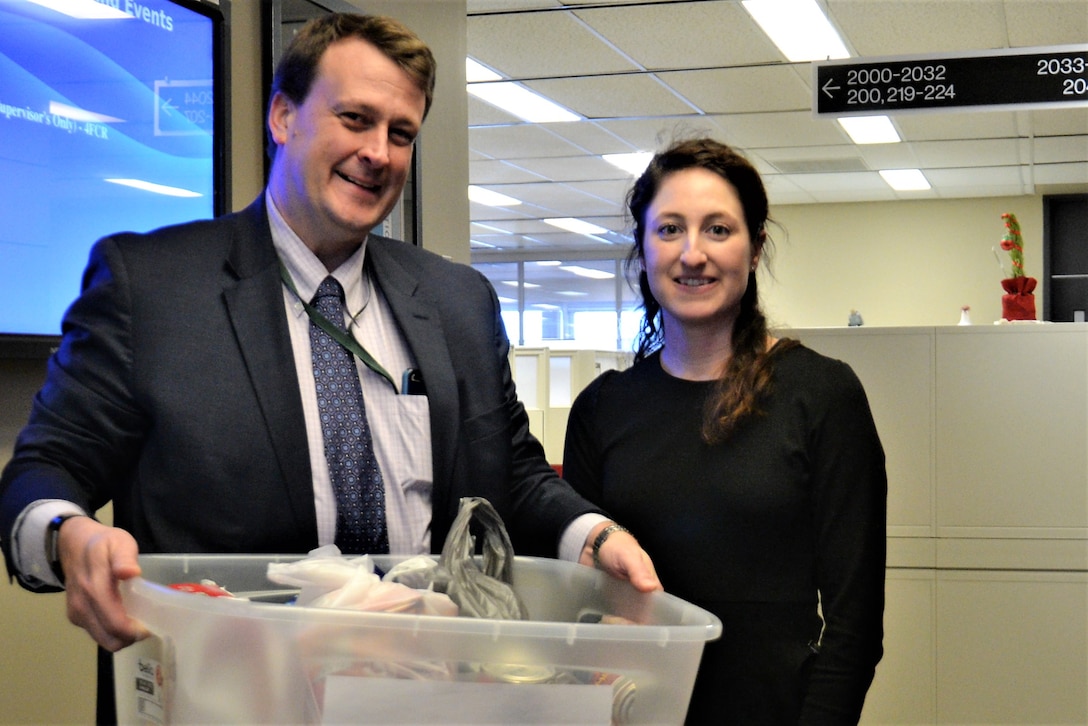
(52,550)
(605,534)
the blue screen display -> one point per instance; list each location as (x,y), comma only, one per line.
(106,125)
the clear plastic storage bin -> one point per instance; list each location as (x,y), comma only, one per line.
(258,660)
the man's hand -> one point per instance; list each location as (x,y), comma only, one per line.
(622,557)
(95,558)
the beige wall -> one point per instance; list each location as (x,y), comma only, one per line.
(897,263)
(48,665)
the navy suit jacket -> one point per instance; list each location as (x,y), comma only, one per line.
(174,394)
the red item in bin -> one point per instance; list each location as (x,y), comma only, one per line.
(207,587)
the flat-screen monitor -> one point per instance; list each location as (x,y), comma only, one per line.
(113,117)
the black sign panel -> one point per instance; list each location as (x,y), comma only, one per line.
(1033,77)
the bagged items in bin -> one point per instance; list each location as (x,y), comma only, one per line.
(327,579)
(455,584)
(485,593)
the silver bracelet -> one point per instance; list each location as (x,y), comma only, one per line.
(605,534)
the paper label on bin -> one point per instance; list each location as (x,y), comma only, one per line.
(350,699)
(148,688)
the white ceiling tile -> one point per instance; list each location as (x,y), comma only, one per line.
(490,215)
(918,27)
(988,192)
(858,181)
(742,90)
(515,142)
(836,195)
(605,97)
(786,198)
(780,154)
(947,125)
(559,200)
(494,171)
(995,176)
(551,44)
(889,156)
(1059,122)
(613,190)
(782,190)
(1034,23)
(591,136)
(663,36)
(1074,172)
(1059,149)
(572,168)
(482,113)
(785,128)
(486,215)
(653,134)
(967,153)
(477,6)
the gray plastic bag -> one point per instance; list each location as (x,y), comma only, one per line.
(480,593)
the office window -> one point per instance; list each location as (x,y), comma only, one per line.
(583,304)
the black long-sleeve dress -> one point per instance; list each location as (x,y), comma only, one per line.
(782,523)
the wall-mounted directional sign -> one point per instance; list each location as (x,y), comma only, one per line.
(1034,77)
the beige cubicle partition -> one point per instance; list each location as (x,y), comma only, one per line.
(986,434)
(985,429)
(549,380)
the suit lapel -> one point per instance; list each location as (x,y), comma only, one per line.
(421,322)
(254,303)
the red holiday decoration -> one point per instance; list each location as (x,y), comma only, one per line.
(1018,302)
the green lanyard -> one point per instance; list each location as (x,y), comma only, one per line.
(335,332)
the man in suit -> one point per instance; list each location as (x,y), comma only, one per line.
(183,389)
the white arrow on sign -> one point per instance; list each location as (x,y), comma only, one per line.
(828,88)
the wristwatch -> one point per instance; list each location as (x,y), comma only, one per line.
(605,534)
(52,551)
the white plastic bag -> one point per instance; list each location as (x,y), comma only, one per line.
(329,580)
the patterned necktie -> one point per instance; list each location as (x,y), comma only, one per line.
(349,449)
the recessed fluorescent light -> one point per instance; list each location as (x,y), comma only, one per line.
(905,180)
(549,263)
(799,28)
(588,272)
(491,228)
(514,283)
(490,198)
(512,97)
(155,188)
(576,225)
(84,9)
(521,102)
(476,71)
(870,129)
(633,163)
(571,293)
